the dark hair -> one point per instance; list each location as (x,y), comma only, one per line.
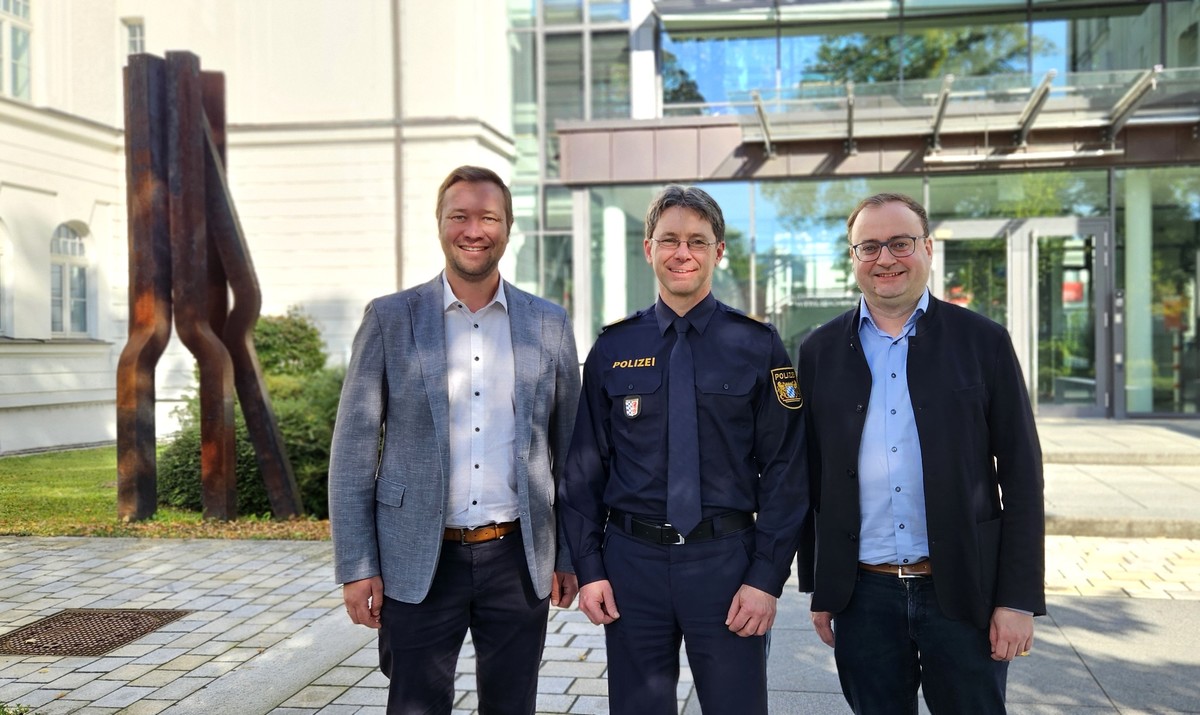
(476,175)
(889,198)
(688,197)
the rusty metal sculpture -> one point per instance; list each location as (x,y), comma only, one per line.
(184,239)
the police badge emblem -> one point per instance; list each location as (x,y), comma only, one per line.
(787,388)
(633,406)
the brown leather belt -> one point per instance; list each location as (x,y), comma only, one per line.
(920,569)
(482,534)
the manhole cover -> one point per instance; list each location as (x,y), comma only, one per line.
(85,631)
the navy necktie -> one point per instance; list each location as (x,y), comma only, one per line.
(683,442)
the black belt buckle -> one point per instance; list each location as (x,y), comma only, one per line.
(667,528)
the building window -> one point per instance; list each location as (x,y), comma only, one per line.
(68,282)
(14,48)
(135,35)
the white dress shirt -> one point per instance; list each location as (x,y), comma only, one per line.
(481,376)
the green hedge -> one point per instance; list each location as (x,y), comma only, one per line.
(305,406)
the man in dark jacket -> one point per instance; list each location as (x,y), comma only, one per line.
(927,562)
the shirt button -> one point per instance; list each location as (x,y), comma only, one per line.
(477,325)
(893,449)
(477,393)
(630,386)
(477,466)
(902,526)
(476,429)
(727,386)
(897,488)
(893,374)
(477,360)
(893,412)
(905,560)
(474,502)
(858,408)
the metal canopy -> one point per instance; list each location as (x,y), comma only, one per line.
(995,107)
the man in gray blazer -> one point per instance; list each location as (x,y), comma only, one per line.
(454,421)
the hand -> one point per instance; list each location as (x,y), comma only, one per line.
(1011,634)
(597,602)
(751,613)
(823,624)
(364,600)
(563,588)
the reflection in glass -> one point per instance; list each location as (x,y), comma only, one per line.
(564,89)
(522,48)
(1018,195)
(610,75)
(563,12)
(1066,334)
(976,276)
(1158,268)
(608,10)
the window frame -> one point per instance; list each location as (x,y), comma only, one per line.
(69,256)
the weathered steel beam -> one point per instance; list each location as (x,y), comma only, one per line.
(149,286)
(189,275)
(225,234)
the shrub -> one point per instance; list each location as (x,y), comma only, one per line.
(305,404)
(289,344)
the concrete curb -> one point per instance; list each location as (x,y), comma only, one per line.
(1122,528)
(1177,459)
(264,682)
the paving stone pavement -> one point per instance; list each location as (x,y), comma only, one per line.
(267,633)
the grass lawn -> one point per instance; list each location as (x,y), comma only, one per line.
(74,493)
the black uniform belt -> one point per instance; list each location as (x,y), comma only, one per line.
(658,533)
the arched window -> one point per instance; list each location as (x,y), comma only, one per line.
(68,282)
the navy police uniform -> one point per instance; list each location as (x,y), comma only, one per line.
(614,491)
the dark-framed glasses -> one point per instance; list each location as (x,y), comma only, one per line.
(695,245)
(898,246)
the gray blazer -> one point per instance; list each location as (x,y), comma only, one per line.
(387,507)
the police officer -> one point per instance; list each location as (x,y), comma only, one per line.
(689,426)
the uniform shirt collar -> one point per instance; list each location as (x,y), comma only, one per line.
(449,300)
(698,316)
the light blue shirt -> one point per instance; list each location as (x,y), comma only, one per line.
(890,471)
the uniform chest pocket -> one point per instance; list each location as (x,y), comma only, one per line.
(732,385)
(639,409)
(632,381)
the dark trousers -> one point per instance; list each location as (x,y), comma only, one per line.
(482,587)
(893,638)
(666,594)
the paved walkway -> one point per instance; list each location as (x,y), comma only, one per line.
(267,634)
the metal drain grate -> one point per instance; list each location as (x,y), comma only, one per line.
(85,631)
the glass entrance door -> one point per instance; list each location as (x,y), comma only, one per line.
(1066,310)
(1047,281)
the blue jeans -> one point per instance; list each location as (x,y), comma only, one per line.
(893,638)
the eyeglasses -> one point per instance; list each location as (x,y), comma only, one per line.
(695,245)
(898,246)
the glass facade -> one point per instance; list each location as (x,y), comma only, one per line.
(1059,257)
(570,61)
(1157,222)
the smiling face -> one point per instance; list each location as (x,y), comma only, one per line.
(684,277)
(473,228)
(891,286)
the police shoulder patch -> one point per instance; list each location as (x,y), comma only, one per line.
(787,388)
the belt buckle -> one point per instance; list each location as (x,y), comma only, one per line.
(677,535)
(900,573)
(462,537)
